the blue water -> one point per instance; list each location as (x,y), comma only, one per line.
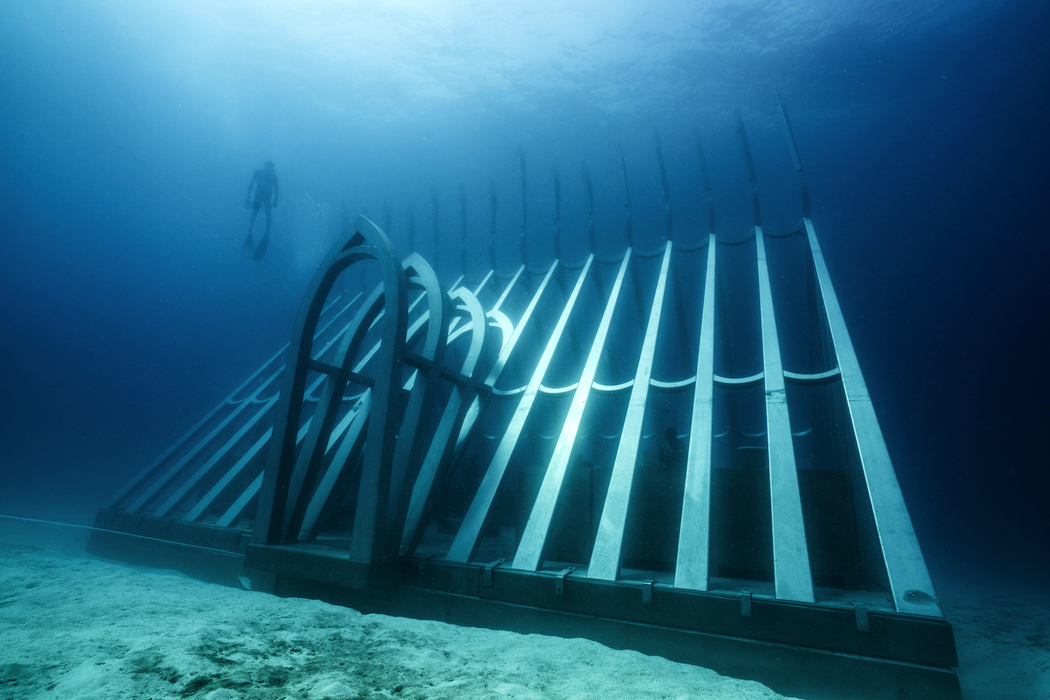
(129,132)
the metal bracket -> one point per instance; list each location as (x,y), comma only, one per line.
(324,367)
(647,592)
(861,612)
(559,580)
(486,577)
(745,602)
(423,563)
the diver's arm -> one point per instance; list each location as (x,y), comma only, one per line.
(275,190)
(251,184)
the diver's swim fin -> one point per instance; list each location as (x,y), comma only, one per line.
(246,251)
(260,250)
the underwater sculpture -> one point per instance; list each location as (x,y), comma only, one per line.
(496,447)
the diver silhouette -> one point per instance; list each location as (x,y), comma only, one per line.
(265,183)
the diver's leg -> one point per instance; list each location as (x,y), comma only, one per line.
(266,204)
(255,213)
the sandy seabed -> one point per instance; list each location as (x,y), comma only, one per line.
(77,627)
(74,627)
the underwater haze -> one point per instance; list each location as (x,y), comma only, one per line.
(129,132)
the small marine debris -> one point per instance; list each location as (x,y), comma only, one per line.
(245,582)
(917,597)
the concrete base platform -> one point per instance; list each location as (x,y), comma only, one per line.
(810,651)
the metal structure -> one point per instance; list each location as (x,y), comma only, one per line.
(671,449)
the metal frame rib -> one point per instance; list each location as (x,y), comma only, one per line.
(608,545)
(536,530)
(905,565)
(791,572)
(694,535)
(466,541)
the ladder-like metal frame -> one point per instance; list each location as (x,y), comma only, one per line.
(497,449)
(161,488)
(351,437)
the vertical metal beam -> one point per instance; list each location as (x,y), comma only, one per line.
(789,132)
(605,558)
(466,541)
(741,133)
(623,171)
(905,565)
(535,536)
(279,509)
(707,179)
(703,161)
(791,573)
(660,164)
(664,185)
(694,535)
(628,224)
(793,147)
(751,175)
(588,193)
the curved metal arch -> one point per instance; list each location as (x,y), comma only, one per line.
(433,351)
(439,453)
(309,489)
(330,487)
(360,241)
(323,498)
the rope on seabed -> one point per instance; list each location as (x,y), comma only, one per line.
(118,532)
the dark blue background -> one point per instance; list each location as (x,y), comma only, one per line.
(128,312)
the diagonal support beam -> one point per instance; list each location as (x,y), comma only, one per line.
(694,535)
(608,545)
(535,536)
(791,572)
(466,542)
(905,565)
